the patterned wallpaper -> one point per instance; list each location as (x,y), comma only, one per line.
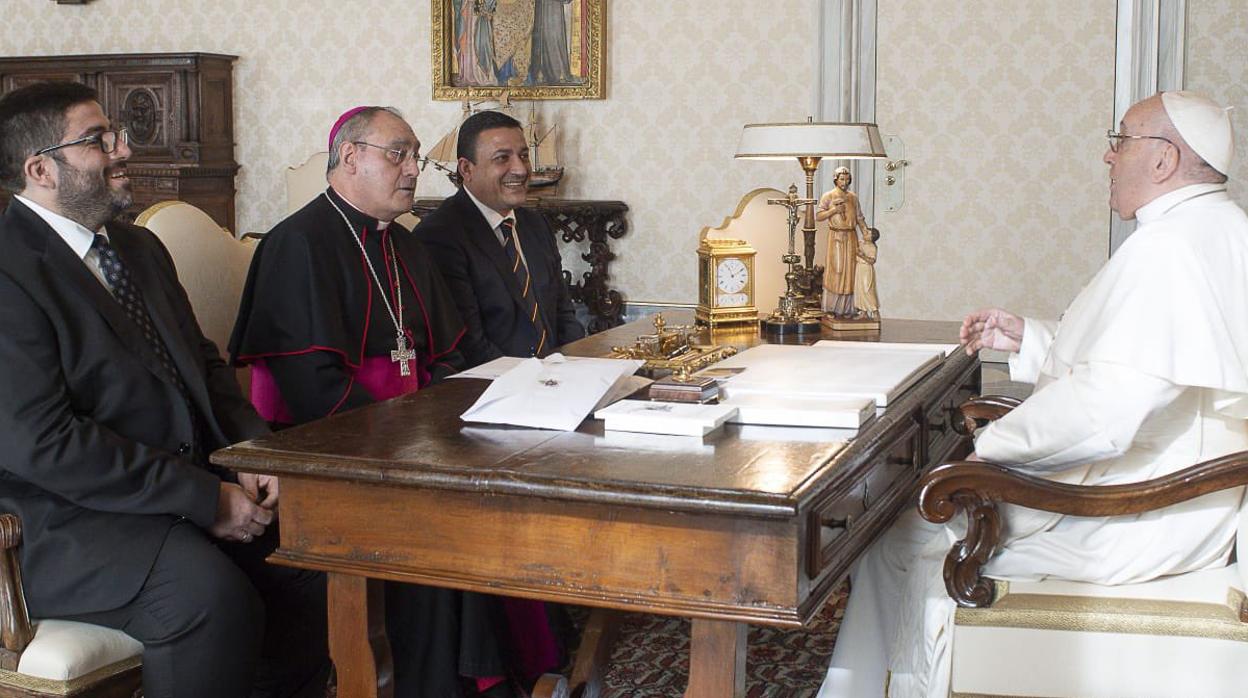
(1002,107)
(682,80)
(1217,64)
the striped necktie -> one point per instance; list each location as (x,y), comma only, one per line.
(521,270)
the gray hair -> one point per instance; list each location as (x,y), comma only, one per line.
(1201,171)
(353,130)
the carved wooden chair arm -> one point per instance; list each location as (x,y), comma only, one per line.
(978,487)
(982,409)
(15,629)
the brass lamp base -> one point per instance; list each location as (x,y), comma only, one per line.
(780,327)
(790,319)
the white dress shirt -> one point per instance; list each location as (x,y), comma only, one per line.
(75,235)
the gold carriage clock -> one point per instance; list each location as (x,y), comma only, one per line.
(725,283)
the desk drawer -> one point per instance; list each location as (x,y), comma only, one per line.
(943,420)
(845,514)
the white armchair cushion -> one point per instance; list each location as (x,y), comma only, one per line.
(1176,636)
(64,650)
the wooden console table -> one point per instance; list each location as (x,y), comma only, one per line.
(597,222)
(179,109)
(745,526)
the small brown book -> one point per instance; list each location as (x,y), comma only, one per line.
(696,389)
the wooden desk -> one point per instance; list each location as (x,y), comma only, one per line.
(749,525)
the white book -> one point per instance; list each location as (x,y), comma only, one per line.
(678,418)
(796,411)
(943,348)
(843,370)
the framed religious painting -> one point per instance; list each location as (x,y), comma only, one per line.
(528,49)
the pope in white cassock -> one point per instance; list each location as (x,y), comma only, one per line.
(1147,373)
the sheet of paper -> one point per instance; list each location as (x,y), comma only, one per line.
(550,393)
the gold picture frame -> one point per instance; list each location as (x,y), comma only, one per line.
(472,64)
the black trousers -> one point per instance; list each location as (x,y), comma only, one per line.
(217,621)
(440,637)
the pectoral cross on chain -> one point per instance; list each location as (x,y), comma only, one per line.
(403,356)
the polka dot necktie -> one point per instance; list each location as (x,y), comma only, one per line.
(521,270)
(118,278)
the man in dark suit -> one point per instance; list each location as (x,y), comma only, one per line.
(500,261)
(112,400)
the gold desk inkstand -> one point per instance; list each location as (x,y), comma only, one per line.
(674,349)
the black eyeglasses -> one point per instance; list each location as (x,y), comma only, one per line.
(1116,139)
(396,156)
(107,140)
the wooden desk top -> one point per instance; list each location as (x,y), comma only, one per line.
(759,472)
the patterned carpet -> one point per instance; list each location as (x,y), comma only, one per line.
(651,657)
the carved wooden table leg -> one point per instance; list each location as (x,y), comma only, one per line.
(717,659)
(597,640)
(357,637)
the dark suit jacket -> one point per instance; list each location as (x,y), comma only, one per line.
(94,443)
(485,289)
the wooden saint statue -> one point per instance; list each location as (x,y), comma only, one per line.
(840,208)
(866,299)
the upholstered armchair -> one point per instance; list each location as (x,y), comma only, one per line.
(57,658)
(212,266)
(1184,635)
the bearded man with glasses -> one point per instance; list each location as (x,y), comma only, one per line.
(1145,374)
(113,399)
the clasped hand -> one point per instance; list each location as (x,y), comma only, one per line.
(245,510)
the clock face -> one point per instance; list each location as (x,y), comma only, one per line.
(731,276)
(732,300)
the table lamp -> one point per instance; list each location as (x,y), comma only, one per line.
(810,142)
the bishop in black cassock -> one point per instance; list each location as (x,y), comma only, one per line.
(314,325)
(331,290)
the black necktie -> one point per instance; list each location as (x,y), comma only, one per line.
(521,270)
(127,293)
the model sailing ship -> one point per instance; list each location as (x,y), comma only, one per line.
(546,172)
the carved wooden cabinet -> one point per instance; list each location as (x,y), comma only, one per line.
(593,224)
(179,109)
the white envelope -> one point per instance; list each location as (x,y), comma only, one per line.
(550,393)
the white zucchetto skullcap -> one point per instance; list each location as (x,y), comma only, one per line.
(1204,124)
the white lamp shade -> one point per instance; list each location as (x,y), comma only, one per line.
(806,139)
